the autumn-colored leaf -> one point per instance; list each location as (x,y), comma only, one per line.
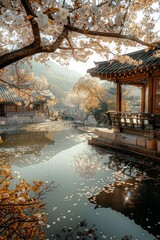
(21,208)
(51,10)
(29,17)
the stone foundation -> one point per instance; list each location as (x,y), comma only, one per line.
(147,141)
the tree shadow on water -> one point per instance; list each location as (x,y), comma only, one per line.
(83,231)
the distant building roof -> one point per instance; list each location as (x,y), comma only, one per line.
(9,95)
(114,69)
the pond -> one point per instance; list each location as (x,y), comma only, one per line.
(98,188)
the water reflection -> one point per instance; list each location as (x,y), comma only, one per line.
(32,147)
(26,138)
(138,197)
(83,173)
(130,165)
(24,148)
(87,164)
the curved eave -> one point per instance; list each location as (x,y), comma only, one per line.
(113,70)
(136,76)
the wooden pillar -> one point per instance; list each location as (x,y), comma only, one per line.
(143,98)
(119,97)
(5,109)
(150,95)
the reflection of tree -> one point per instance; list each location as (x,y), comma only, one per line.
(119,165)
(83,231)
(138,200)
(133,166)
(130,165)
(138,197)
(21,208)
(87,164)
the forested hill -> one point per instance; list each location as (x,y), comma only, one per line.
(55,74)
(61,79)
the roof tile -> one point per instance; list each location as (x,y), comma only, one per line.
(114,66)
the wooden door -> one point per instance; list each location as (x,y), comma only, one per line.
(1,109)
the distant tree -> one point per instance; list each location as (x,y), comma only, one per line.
(128,98)
(22,207)
(64,29)
(94,97)
(73,100)
(100,113)
(92,92)
(112,91)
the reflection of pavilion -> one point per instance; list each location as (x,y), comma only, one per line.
(138,200)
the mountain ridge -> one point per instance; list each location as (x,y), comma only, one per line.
(60,79)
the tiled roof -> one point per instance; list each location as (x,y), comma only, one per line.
(115,67)
(9,95)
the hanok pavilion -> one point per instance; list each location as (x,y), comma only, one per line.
(133,131)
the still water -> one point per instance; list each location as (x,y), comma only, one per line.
(100,189)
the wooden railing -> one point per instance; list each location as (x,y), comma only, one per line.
(135,120)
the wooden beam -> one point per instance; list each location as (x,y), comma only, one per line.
(143,98)
(150,94)
(136,78)
(119,97)
(124,78)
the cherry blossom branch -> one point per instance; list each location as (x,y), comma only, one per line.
(125,15)
(110,35)
(72,49)
(17,221)
(56,44)
(12,85)
(29,50)
(34,24)
(104,3)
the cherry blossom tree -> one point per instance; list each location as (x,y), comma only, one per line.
(73,100)
(95,98)
(65,29)
(19,78)
(92,93)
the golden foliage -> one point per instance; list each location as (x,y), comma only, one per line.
(93,93)
(21,207)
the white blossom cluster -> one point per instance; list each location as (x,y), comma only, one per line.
(127,59)
(137,19)
(28,86)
